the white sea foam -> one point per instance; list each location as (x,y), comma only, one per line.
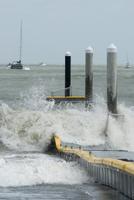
(31,127)
(120,131)
(33,169)
(23,129)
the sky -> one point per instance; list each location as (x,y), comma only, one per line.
(53,27)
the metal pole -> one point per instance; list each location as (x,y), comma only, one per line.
(20,41)
(67,73)
(89,74)
(112,79)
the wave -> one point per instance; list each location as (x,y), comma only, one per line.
(35,169)
(30,125)
(31,130)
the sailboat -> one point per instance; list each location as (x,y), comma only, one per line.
(18,64)
(127,63)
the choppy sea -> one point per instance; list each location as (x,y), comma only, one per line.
(28,121)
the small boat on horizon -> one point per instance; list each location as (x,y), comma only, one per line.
(15,65)
(18,64)
(42,64)
(127,63)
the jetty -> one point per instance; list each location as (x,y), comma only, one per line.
(117,173)
(110,167)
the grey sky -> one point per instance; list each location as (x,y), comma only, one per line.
(52,27)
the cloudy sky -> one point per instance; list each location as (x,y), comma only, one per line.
(52,27)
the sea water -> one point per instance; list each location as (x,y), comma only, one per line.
(28,121)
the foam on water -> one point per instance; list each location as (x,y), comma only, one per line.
(120,131)
(26,129)
(30,125)
(33,169)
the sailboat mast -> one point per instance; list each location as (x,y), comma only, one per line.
(20,40)
(127,63)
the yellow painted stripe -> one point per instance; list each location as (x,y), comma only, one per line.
(91,158)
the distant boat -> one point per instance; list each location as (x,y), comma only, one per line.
(42,64)
(127,63)
(15,65)
(18,64)
(26,68)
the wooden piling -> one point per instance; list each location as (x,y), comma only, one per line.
(112,79)
(89,74)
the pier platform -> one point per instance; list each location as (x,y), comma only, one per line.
(112,168)
(68,99)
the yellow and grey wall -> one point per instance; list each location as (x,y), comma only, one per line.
(115,173)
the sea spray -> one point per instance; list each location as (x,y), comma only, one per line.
(27,129)
(120,129)
(35,99)
(35,169)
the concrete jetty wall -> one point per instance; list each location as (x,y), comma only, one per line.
(114,173)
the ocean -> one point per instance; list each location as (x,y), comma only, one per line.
(28,121)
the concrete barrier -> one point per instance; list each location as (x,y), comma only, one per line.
(114,173)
